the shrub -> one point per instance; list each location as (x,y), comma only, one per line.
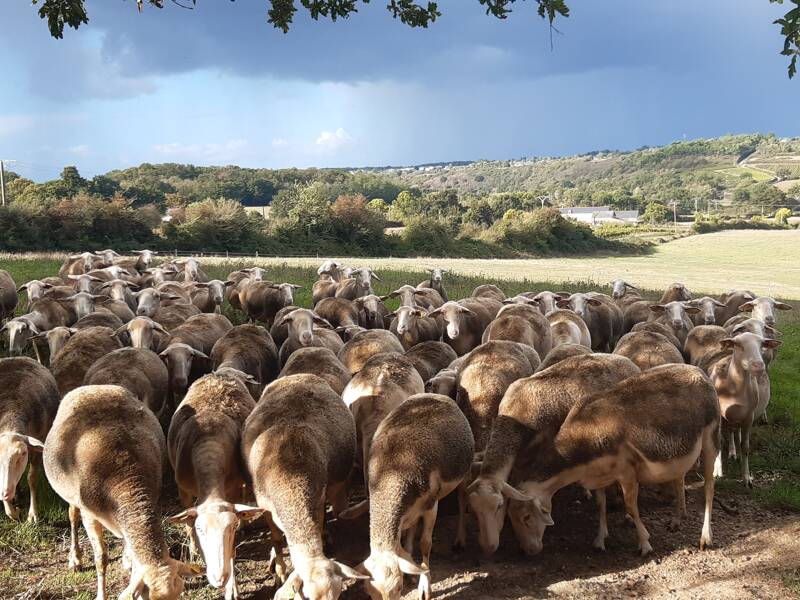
(782,216)
(656,212)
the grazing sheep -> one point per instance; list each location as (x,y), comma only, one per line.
(298,445)
(427,298)
(306,329)
(330,275)
(174,316)
(188,347)
(623,293)
(547,300)
(249,349)
(675,315)
(732,301)
(420,453)
(709,307)
(484,377)
(99,319)
(280,328)
(261,300)
(366,344)
(339,312)
(28,404)
(142,332)
(149,301)
(358,284)
(661,328)
(651,428)
(488,291)
(203,447)
(443,383)
(8,295)
(647,349)
(637,312)
(321,362)
(81,351)
(372,313)
(435,283)
(209,296)
(104,456)
(466,321)
(532,410)
(763,308)
(566,327)
(521,323)
(430,357)
(603,319)
(412,325)
(563,352)
(138,370)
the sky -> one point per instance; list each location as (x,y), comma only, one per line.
(219,85)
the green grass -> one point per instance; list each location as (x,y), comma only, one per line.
(757,174)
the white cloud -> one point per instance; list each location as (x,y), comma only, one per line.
(330,141)
(229,151)
(80,150)
(279,143)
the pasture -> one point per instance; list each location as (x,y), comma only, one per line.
(756,531)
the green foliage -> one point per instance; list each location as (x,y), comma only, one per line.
(782,215)
(656,213)
(217,225)
(710,224)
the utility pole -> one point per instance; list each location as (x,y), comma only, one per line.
(675,214)
(3,180)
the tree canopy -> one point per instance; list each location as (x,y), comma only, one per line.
(72,13)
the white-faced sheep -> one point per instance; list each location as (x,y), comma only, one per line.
(466,320)
(262,300)
(412,326)
(306,329)
(435,283)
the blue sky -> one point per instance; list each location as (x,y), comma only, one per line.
(218,85)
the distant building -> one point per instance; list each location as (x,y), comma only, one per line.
(597,215)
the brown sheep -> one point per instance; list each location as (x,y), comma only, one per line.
(732,300)
(647,349)
(104,456)
(81,351)
(366,344)
(249,349)
(639,311)
(568,328)
(466,321)
(138,370)
(430,357)
(675,315)
(209,296)
(602,318)
(280,328)
(709,308)
(28,403)
(143,332)
(358,284)
(321,362)
(174,316)
(372,313)
(262,300)
(410,296)
(521,323)
(488,291)
(562,352)
(661,328)
(339,312)
(8,295)
(298,445)
(435,283)
(412,325)
(99,319)
(306,329)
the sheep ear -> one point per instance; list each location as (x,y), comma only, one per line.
(514,494)
(120,330)
(37,446)
(771,343)
(374,276)
(628,285)
(435,313)
(692,310)
(346,572)
(321,321)
(727,343)
(783,306)
(297,287)
(199,354)
(248,513)
(187,517)
(409,568)
(101,298)
(657,308)
(159,327)
(562,303)
(22,288)
(746,307)
(771,330)
(593,301)
(545,512)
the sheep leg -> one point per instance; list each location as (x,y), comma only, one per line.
(680,504)
(33,478)
(75,552)
(732,443)
(710,455)
(12,512)
(461,529)
(36,352)
(95,532)
(425,545)
(602,530)
(630,491)
(745,447)
(231,589)
(194,544)
(276,563)
(408,540)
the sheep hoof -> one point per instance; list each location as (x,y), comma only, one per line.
(599,543)
(33,518)
(12,512)
(748,482)
(424,588)
(75,563)
(705,542)
(646,548)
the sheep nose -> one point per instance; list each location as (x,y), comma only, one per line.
(141,312)
(757,366)
(769,320)
(7,496)
(677,324)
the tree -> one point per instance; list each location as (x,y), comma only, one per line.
(656,212)
(782,215)
(73,182)
(72,13)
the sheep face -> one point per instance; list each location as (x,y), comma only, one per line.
(20,331)
(619,287)
(676,314)
(83,303)
(179,358)
(141,331)
(707,305)
(159,582)
(35,289)
(57,338)
(407,318)
(386,570)
(145,256)
(487,502)
(747,351)
(529,519)
(579,304)
(437,275)
(216,291)
(454,315)
(301,325)
(764,308)
(370,305)
(14,450)
(547,301)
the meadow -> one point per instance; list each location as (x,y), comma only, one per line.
(32,558)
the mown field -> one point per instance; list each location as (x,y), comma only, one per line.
(33,558)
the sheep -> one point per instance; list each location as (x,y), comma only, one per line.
(568,328)
(709,308)
(651,429)
(158,275)
(138,370)
(116,307)
(107,256)
(732,300)
(76,264)
(763,308)
(85,282)
(55,338)
(430,357)
(34,289)
(140,263)
(330,274)
(547,300)
(339,312)
(661,328)
(104,456)
(758,327)
(203,448)
(209,296)
(298,445)
(410,296)
(80,304)
(366,344)
(562,352)
(488,291)
(466,321)
(602,318)
(647,349)
(261,300)
(236,279)
(412,325)
(280,328)
(623,293)
(191,270)
(180,292)
(703,345)
(675,315)
(639,311)
(249,349)
(187,349)
(443,383)
(321,362)
(80,352)
(421,452)
(306,328)
(8,295)
(142,333)
(743,387)
(521,323)
(372,313)
(28,403)
(484,377)
(359,284)
(533,410)
(149,301)
(174,316)
(435,283)
(98,319)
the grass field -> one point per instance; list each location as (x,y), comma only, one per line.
(766,262)
(757,174)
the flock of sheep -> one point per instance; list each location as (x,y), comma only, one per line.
(502,401)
